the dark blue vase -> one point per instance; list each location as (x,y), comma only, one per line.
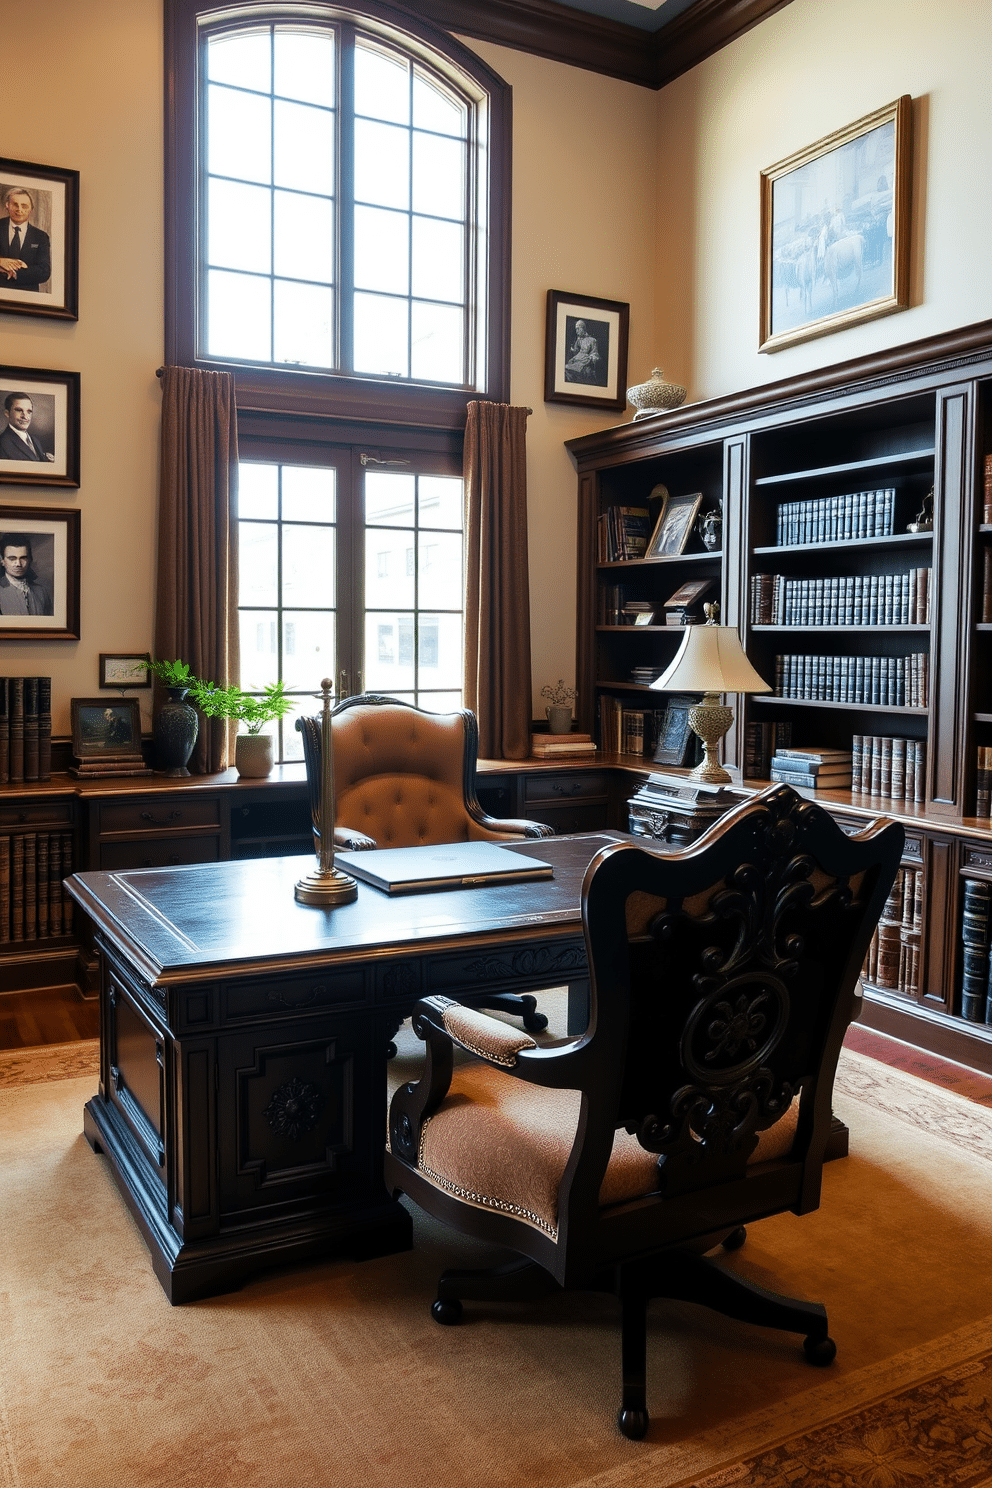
(174,731)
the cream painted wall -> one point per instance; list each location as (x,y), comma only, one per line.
(94,104)
(806,71)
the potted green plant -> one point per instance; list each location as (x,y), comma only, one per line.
(252,749)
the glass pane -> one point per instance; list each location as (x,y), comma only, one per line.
(438,176)
(438,260)
(304,328)
(308,493)
(441,501)
(389,652)
(304,237)
(382,85)
(304,147)
(238,226)
(389,567)
(440,643)
(440,572)
(435,108)
(239,133)
(438,348)
(308,644)
(382,164)
(381,335)
(389,498)
(259,648)
(382,250)
(308,565)
(242,58)
(440,702)
(239,316)
(304,65)
(259,563)
(304,706)
(258,490)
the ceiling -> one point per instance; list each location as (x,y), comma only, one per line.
(648,42)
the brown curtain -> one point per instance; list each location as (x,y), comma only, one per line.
(497,588)
(196,618)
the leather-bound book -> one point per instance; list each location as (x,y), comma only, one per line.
(66,870)
(42,881)
(30,728)
(17,887)
(44,728)
(30,886)
(55,883)
(16,718)
(4,730)
(4,888)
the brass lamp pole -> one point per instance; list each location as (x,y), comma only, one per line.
(326,884)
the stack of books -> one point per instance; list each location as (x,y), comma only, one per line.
(561,746)
(976,1001)
(813,767)
(25,729)
(644,675)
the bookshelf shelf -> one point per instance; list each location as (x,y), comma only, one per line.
(846,629)
(895,540)
(785,702)
(668,561)
(882,464)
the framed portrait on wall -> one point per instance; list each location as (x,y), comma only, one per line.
(39,574)
(39,427)
(835,225)
(39,239)
(585,350)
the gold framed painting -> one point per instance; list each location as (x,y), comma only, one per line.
(835,230)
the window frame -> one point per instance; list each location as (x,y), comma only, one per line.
(302,391)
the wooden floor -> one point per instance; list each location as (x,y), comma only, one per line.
(28,1019)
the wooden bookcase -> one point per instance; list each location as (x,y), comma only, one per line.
(911,421)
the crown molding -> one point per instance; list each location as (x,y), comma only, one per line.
(649,59)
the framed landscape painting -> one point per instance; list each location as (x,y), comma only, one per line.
(835,225)
(586,351)
(39,239)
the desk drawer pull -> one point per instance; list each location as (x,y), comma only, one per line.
(566,790)
(160,821)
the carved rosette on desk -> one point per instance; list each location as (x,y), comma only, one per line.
(326,884)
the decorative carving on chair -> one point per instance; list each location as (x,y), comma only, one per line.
(294,1109)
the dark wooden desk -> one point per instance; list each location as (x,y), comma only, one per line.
(242,1099)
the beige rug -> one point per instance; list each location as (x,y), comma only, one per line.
(334,1376)
(47,1062)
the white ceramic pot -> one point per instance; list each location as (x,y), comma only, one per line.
(253,754)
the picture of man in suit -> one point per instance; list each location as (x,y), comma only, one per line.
(20,591)
(25,251)
(15,441)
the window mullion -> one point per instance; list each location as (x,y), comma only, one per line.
(346,201)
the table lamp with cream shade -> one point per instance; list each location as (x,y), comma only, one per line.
(710,660)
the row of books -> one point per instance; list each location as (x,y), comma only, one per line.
(987,582)
(987,501)
(622,533)
(893,960)
(561,746)
(890,767)
(624,730)
(836,518)
(889,681)
(856,599)
(976,994)
(761,742)
(983,782)
(813,768)
(33,903)
(25,729)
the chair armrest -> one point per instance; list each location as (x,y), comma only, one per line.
(508,826)
(354,841)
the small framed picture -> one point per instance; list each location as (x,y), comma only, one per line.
(39,239)
(674,526)
(125,670)
(835,227)
(102,730)
(585,351)
(39,427)
(39,574)
(676,740)
(644,617)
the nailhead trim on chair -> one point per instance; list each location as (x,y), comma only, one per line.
(506,1060)
(486,1200)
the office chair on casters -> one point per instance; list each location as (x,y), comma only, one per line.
(406,778)
(697,1100)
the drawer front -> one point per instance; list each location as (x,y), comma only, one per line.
(565,819)
(160,815)
(563,786)
(159,853)
(36,814)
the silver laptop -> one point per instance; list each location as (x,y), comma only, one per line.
(452,865)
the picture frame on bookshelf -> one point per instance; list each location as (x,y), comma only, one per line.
(675,739)
(40,205)
(674,526)
(39,574)
(835,230)
(102,730)
(39,427)
(585,352)
(125,669)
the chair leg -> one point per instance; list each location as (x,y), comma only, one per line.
(521,1004)
(519,1280)
(689,1278)
(632,1417)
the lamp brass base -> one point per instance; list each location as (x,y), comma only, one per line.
(322,887)
(710,721)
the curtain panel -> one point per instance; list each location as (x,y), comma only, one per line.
(196,617)
(497,681)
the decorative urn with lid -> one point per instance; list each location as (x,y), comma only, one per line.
(654,396)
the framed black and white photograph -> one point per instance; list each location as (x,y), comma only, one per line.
(674,526)
(125,669)
(835,225)
(39,574)
(102,730)
(586,351)
(39,427)
(39,239)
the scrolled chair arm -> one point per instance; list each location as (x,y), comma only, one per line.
(354,841)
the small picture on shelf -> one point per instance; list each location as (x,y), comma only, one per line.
(674,526)
(685,606)
(676,740)
(645,617)
(638,612)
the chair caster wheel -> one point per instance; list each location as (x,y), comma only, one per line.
(535,1022)
(735,1239)
(447,1313)
(633,1423)
(820,1351)
(390,1050)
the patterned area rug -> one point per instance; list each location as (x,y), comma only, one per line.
(50,1062)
